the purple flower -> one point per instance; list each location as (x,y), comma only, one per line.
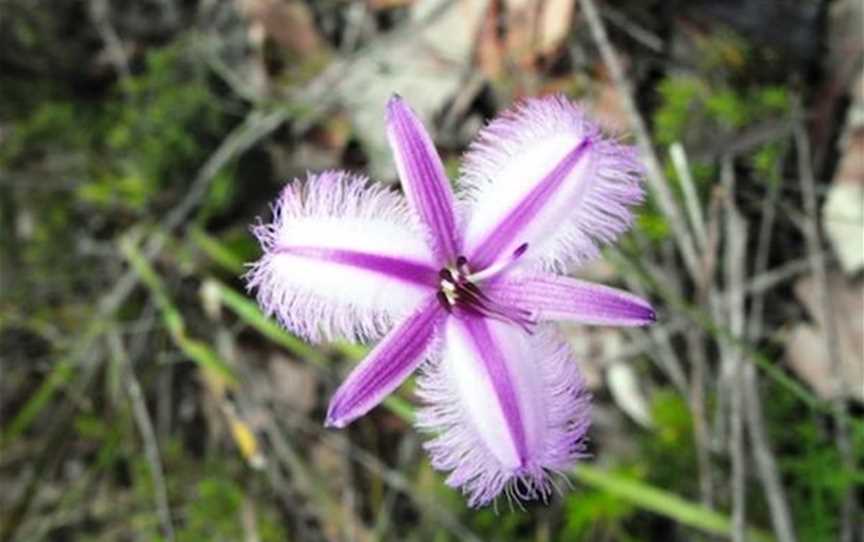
(471,282)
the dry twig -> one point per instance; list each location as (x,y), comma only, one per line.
(763,456)
(695,338)
(148,435)
(655,177)
(736,242)
(817,264)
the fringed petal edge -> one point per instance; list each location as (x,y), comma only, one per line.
(603,210)
(322,300)
(458,449)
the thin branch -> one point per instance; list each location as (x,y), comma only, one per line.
(701,431)
(254,127)
(695,338)
(404,457)
(736,242)
(148,435)
(655,177)
(766,464)
(781,519)
(639,33)
(472,85)
(237,141)
(765,281)
(100,14)
(356,26)
(691,199)
(663,353)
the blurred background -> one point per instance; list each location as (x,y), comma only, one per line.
(143,396)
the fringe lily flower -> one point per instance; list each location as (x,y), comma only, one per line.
(468,282)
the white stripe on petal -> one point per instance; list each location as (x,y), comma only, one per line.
(323,297)
(517,151)
(475,439)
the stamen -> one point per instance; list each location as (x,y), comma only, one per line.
(481,304)
(500,266)
(462,265)
(458,290)
(442,298)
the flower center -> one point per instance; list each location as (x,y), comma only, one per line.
(460,289)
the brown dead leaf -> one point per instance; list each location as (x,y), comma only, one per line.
(532,30)
(851,167)
(607,107)
(843,212)
(806,348)
(323,147)
(379,5)
(520,28)
(427,66)
(555,20)
(489,49)
(844,49)
(288,23)
(536,28)
(599,94)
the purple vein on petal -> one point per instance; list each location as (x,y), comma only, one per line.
(518,218)
(553,297)
(423,177)
(387,366)
(398,268)
(495,364)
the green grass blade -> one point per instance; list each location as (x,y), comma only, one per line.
(197,351)
(661,502)
(247,311)
(60,374)
(217,251)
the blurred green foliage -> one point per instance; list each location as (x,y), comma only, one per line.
(691,107)
(149,138)
(208,493)
(114,161)
(668,455)
(592,514)
(811,464)
(694,109)
(154,132)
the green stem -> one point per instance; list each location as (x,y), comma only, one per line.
(661,502)
(197,351)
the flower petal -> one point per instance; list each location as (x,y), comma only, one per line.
(423,178)
(508,408)
(543,174)
(341,259)
(387,366)
(551,297)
